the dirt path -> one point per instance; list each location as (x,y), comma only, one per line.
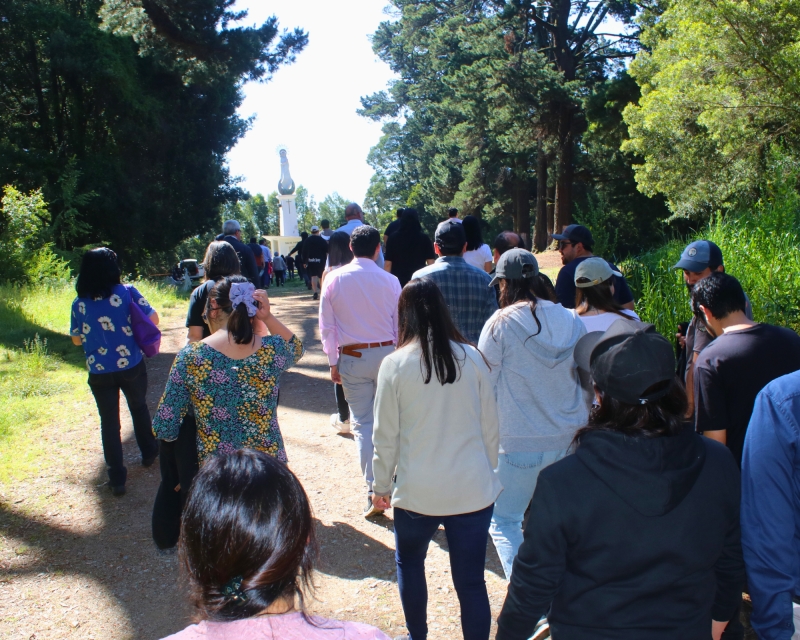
(76,562)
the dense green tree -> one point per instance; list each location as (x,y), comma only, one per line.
(623,219)
(257,208)
(308,213)
(332,209)
(489,95)
(720,84)
(124,124)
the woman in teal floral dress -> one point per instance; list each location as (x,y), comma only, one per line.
(231,378)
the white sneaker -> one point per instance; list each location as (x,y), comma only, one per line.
(341,427)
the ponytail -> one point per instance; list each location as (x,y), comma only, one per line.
(240,325)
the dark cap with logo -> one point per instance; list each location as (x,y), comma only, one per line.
(626,360)
(576,233)
(450,236)
(699,256)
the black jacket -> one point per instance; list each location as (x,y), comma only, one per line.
(630,539)
(247,260)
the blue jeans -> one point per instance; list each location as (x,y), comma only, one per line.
(466,537)
(518,472)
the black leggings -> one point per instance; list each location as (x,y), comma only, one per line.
(178,461)
(105,388)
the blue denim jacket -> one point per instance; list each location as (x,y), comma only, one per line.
(771,507)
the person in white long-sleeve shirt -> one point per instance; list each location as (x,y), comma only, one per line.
(358,326)
(436,443)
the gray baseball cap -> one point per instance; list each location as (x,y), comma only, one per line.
(593,271)
(515,264)
(699,256)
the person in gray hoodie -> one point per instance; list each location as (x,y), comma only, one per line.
(541,402)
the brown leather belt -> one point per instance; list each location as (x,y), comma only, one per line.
(355,349)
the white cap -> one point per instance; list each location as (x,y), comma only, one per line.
(314,228)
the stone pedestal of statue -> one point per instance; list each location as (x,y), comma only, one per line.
(288,215)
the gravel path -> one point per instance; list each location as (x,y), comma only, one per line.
(76,562)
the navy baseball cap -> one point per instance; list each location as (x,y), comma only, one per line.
(699,256)
(576,233)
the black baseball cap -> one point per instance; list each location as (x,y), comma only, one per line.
(576,233)
(626,360)
(450,236)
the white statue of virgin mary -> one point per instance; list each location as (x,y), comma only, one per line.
(286,184)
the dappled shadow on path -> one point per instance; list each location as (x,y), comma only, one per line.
(107,549)
(115,555)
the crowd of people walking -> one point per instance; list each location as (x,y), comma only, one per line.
(631,491)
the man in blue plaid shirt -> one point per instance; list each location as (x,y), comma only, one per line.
(465,288)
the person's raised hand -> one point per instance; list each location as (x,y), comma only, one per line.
(263,313)
(381,502)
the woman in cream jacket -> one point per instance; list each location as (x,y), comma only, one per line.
(436,440)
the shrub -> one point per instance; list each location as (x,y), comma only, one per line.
(760,246)
(28,256)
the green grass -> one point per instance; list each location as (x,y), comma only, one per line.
(42,374)
(292,287)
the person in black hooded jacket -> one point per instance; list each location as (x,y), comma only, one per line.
(636,535)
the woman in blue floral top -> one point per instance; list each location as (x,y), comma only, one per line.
(101,324)
(231,378)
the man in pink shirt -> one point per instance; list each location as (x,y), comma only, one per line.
(358,325)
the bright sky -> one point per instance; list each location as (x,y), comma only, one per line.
(310,106)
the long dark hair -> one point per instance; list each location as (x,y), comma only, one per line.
(598,297)
(98,275)
(662,417)
(517,290)
(423,315)
(247,518)
(339,251)
(240,325)
(409,223)
(221,260)
(542,287)
(472,227)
